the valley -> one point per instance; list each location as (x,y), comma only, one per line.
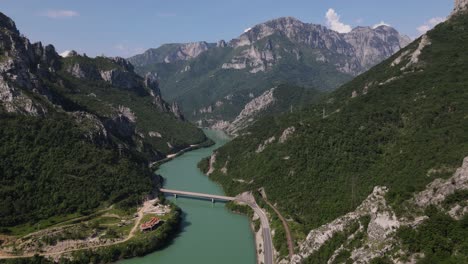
(292,143)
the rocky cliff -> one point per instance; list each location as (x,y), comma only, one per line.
(119,73)
(460,6)
(104,95)
(361,49)
(22,65)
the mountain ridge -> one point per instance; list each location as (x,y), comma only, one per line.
(78,131)
(222,77)
(400,126)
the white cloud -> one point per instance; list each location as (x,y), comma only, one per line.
(431,23)
(60,13)
(382,23)
(333,21)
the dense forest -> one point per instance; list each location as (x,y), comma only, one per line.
(392,126)
(48,168)
(440,238)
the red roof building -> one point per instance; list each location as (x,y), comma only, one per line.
(150,224)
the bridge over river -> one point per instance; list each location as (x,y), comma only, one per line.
(246,198)
(211,197)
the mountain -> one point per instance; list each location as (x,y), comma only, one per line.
(170,53)
(224,76)
(77,133)
(376,172)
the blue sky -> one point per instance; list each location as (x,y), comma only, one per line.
(125,27)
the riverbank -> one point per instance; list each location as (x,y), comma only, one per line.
(105,238)
(210,233)
(208,143)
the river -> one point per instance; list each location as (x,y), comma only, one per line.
(211,234)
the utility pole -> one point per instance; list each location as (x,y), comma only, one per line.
(120,147)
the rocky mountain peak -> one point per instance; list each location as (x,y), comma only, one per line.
(460,6)
(7,23)
(125,64)
(288,26)
(363,46)
(221,44)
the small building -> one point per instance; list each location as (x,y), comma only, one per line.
(150,225)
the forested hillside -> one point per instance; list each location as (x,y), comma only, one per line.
(77,134)
(401,125)
(48,169)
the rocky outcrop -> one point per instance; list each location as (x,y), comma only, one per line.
(122,123)
(212,161)
(175,109)
(265,144)
(251,109)
(287,133)
(374,204)
(121,78)
(221,44)
(372,45)
(170,53)
(256,60)
(96,132)
(460,6)
(414,57)
(383,221)
(22,65)
(438,190)
(82,71)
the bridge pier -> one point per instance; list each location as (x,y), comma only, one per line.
(175,195)
(212,200)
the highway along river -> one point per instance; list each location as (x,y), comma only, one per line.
(211,234)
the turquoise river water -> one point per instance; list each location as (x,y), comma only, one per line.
(211,234)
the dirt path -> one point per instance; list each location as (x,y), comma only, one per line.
(4,255)
(286,229)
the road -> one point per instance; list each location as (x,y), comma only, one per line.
(266,231)
(248,199)
(286,229)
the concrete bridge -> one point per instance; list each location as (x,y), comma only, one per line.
(246,198)
(211,197)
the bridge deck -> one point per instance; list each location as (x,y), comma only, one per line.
(199,195)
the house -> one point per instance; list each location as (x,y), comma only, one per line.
(150,224)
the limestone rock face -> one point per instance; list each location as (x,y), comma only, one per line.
(460,6)
(175,109)
(122,79)
(84,72)
(437,191)
(221,44)
(21,66)
(170,53)
(373,44)
(362,48)
(250,111)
